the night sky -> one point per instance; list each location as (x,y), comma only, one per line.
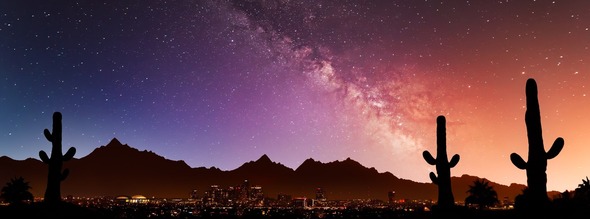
(220,83)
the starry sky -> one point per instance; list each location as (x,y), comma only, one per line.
(220,83)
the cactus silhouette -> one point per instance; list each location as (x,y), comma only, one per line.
(55,163)
(443,166)
(537,160)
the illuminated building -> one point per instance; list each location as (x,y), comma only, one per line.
(245,191)
(391,197)
(121,200)
(319,194)
(320,198)
(216,196)
(300,202)
(194,194)
(284,200)
(138,199)
(256,195)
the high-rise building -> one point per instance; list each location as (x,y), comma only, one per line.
(256,196)
(256,193)
(216,196)
(284,200)
(245,196)
(391,197)
(319,194)
(194,194)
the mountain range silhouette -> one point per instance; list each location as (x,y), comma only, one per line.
(118,169)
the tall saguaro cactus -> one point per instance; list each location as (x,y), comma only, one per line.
(55,163)
(537,161)
(443,166)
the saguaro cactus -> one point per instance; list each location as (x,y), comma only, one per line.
(443,166)
(537,162)
(55,163)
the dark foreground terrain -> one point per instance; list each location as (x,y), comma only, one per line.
(66,210)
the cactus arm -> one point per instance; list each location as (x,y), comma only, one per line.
(555,148)
(43,156)
(48,135)
(65,174)
(428,157)
(518,161)
(69,154)
(454,160)
(433,178)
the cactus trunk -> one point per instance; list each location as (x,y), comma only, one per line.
(537,157)
(55,163)
(445,194)
(443,166)
(536,176)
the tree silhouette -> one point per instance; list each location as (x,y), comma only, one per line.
(522,199)
(55,163)
(443,166)
(537,157)
(482,194)
(16,191)
(582,193)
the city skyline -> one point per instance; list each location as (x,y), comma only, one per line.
(222,83)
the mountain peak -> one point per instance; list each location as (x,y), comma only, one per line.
(114,142)
(264,159)
(308,164)
(309,161)
(349,161)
